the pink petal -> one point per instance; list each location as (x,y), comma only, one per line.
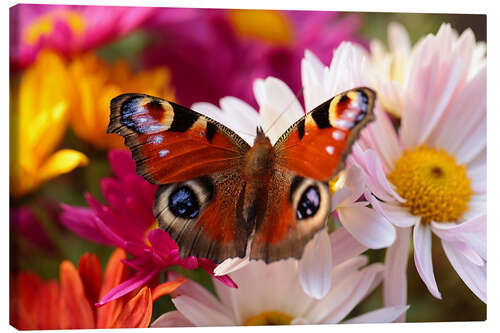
(367,226)
(422,242)
(198,293)
(172,319)
(121,162)
(454,129)
(383,315)
(473,276)
(83,222)
(209,267)
(127,286)
(396,260)
(344,246)
(376,180)
(364,285)
(315,266)
(201,314)
(381,136)
(476,224)
(397,215)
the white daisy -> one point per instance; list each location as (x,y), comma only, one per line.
(271,295)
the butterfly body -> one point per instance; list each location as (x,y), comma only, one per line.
(217,193)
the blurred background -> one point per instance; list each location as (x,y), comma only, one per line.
(67,62)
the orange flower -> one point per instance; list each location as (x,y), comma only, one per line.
(69,304)
(96,83)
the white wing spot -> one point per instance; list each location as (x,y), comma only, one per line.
(156,139)
(330,150)
(163,152)
(351,114)
(341,123)
(338,135)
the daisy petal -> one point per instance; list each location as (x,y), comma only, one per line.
(383,315)
(172,319)
(367,226)
(280,108)
(473,276)
(422,241)
(200,314)
(397,215)
(364,285)
(396,260)
(315,267)
(344,246)
(230,265)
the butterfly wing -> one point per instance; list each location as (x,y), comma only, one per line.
(197,162)
(308,154)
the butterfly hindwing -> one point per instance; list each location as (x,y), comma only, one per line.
(197,162)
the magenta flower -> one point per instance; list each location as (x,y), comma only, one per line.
(27,224)
(213,53)
(128,223)
(68,29)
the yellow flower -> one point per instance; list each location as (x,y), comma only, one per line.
(268,25)
(96,83)
(39,117)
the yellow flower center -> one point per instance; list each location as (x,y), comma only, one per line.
(269,318)
(434,185)
(268,25)
(44,25)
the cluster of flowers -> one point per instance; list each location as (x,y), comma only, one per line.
(418,170)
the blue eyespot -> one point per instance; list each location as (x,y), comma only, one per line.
(183,202)
(309,203)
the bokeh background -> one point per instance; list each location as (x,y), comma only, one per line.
(78,58)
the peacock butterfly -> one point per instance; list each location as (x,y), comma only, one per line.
(216,192)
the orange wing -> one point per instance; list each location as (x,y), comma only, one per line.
(316,145)
(198,164)
(171,143)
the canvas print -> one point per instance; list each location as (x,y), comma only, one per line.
(175,167)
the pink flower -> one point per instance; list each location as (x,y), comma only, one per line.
(215,53)
(431,173)
(27,224)
(128,223)
(68,29)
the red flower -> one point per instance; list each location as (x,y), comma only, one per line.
(69,303)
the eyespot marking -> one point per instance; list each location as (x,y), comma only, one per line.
(309,203)
(183,203)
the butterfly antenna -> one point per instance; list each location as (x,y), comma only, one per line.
(297,96)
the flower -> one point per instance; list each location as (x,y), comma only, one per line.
(36,304)
(431,173)
(274,98)
(392,67)
(27,224)
(128,222)
(96,83)
(271,295)
(69,30)
(39,116)
(225,49)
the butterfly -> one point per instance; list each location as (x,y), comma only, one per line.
(217,193)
